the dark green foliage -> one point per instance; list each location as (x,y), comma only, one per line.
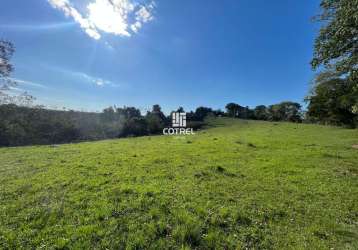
(285,111)
(128,112)
(28,126)
(195,124)
(180,110)
(336,44)
(23,126)
(331,102)
(136,126)
(201,113)
(261,113)
(156,120)
(155,123)
(109,115)
(335,94)
(237,111)
(219,113)
(231,109)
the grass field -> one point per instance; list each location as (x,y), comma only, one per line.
(237,184)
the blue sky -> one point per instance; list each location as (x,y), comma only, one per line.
(89,54)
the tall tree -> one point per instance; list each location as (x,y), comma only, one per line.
(232,109)
(261,112)
(337,44)
(155,120)
(202,112)
(331,100)
(336,50)
(7,85)
(285,111)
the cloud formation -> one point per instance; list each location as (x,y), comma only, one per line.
(37,27)
(95,80)
(117,17)
(80,76)
(28,83)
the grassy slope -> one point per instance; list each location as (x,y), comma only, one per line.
(248,184)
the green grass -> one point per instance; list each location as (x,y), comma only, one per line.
(238,184)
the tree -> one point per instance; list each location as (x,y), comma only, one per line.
(336,50)
(276,113)
(285,111)
(7,85)
(135,126)
(6,51)
(128,112)
(336,44)
(108,114)
(156,120)
(157,110)
(261,113)
(235,110)
(24,126)
(292,111)
(247,113)
(202,112)
(331,100)
(232,109)
(180,110)
(218,113)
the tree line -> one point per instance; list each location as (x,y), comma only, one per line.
(333,98)
(284,111)
(21,125)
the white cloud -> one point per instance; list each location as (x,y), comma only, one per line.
(29,83)
(37,27)
(100,82)
(144,14)
(136,26)
(80,76)
(117,17)
(69,10)
(95,80)
(15,89)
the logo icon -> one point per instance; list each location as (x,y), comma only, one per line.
(178,125)
(178,120)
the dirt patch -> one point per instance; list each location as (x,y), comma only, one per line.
(355,146)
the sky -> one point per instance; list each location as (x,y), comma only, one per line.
(90,54)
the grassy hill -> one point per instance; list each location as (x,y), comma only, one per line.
(238,184)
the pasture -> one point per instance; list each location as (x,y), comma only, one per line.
(234,185)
